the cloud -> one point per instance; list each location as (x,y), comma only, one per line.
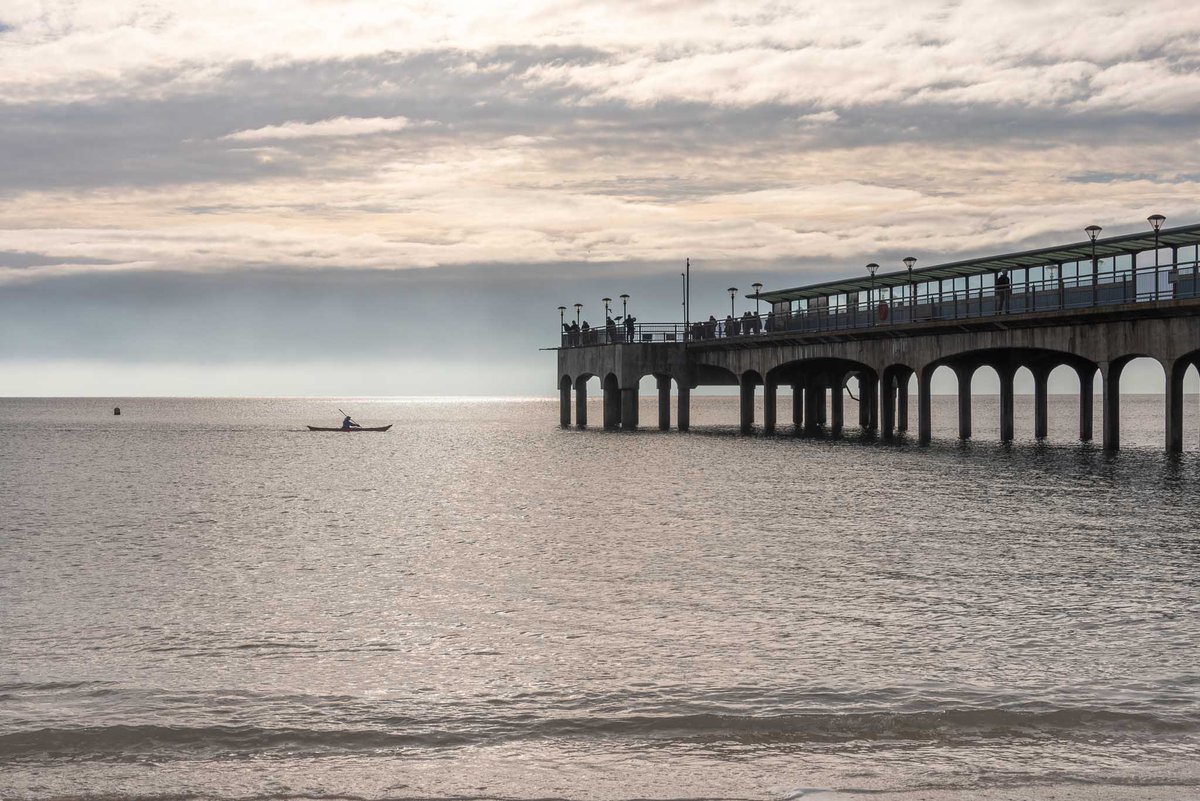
(370,138)
(338,126)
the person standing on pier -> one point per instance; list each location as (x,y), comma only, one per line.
(629,327)
(1003,290)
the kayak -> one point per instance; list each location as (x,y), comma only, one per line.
(339,428)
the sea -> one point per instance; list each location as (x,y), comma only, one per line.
(201,599)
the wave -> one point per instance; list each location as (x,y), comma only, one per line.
(116,742)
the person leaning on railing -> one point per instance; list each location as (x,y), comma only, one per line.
(1003,291)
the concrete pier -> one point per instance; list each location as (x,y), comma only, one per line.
(820,334)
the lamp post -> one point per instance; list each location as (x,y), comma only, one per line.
(562,310)
(871,268)
(606,302)
(1093,231)
(578,309)
(624,305)
(1156,221)
(732,295)
(757,291)
(909,261)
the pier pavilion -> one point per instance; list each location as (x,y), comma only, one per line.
(1093,305)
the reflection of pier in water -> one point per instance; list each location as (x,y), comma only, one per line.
(1093,306)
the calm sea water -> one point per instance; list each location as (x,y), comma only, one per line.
(200,599)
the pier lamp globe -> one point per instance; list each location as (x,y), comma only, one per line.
(578,309)
(624,305)
(732,294)
(757,291)
(562,311)
(606,302)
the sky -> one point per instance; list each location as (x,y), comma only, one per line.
(327,197)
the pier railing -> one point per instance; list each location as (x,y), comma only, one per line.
(924,303)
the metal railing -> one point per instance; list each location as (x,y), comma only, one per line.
(928,303)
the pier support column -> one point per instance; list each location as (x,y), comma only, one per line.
(964,400)
(888,403)
(902,402)
(581,402)
(814,404)
(925,406)
(612,406)
(870,397)
(1087,386)
(822,405)
(864,403)
(747,405)
(837,416)
(1041,402)
(564,403)
(684,417)
(1110,423)
(629,408)
(798,407)
(1007,430)
(664,402)
(1174,374)
(770,398)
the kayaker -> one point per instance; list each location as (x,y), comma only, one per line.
(348,424)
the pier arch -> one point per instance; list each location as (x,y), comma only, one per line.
(819,388)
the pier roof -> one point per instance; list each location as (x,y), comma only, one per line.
(1182,236)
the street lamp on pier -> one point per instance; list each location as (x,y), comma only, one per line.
(607,312)
(578,309)
(1156,221)
(562,310)
(909,261)
(871,268)
(732,294)
(625,305)
(757,291)
(1093,231)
